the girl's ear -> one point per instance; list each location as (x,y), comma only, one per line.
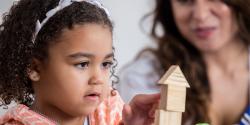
(34,70)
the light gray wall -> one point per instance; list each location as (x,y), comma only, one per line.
(128,36)
(5,5)
(126,14)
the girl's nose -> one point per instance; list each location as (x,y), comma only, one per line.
(96,78)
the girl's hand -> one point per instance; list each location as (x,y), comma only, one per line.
(140,110)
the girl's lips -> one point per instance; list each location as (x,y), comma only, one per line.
(92,96)
(204,32)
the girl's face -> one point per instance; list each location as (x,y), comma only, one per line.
(207,24)
(75,78)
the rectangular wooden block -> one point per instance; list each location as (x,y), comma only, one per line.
(173,98)
(163,117)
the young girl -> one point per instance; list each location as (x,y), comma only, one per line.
(56,62)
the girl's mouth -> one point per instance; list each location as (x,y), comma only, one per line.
(93,96)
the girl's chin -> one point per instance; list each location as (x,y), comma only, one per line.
(87,111)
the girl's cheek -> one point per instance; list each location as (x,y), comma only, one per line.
(107,92)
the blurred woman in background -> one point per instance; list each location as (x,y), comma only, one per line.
(209,40)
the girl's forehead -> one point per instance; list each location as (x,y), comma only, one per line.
(91,38)
(89,31)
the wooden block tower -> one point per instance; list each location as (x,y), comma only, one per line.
(173,97)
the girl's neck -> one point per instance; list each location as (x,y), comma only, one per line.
(229,59)
(57,116)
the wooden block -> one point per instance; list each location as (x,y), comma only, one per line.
(174,76)
(173,90)
(173,98)
(167,118)
(167,74)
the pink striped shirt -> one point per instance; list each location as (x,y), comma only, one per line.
(108,113)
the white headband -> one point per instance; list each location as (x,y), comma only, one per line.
(62,4)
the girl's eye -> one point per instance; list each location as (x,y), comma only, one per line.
(107,65)
(82,65)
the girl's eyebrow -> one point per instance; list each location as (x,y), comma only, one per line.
(110,55)
(80,55)
(88,55)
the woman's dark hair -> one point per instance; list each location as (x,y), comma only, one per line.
(17,49)
(173,48)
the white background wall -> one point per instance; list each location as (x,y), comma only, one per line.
(128,36)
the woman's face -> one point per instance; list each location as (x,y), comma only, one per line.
(207,24)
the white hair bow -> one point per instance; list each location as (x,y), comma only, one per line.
(62,4)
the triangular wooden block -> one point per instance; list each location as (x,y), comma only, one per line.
(174,76)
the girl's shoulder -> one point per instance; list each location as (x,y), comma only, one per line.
(109,112)
(22,115)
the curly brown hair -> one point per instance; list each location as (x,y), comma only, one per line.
(173,48)
(17,49)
